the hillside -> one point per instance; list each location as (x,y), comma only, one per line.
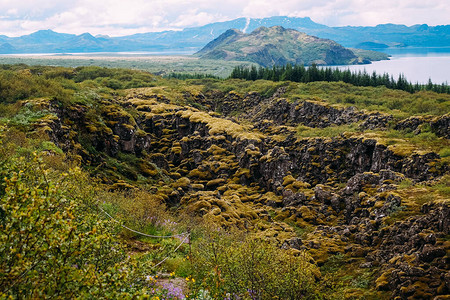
(279,46)
(334,188)
(193,39)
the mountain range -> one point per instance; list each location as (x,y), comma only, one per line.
(190,40)
(278,46)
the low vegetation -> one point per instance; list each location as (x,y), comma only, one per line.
(158,65)
(122,184)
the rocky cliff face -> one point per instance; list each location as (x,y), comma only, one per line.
(344,192)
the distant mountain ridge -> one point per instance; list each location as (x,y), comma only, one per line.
(278,46)
(193,39)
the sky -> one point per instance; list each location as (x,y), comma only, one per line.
(124,17)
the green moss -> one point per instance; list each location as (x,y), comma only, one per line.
(148,169)
(50,146)
(183,182)
(301,185)
(219,126)
(215,182)
(243,172)
(141,133)
(288,180)
(197,186)
(444,152)
(306,213)
(200,174)
(216,150)
(176,150)
(382,282)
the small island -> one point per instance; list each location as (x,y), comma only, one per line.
(279,46)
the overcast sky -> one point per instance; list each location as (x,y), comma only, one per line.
(123,17)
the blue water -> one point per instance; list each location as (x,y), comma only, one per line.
(416,64)
(418,52)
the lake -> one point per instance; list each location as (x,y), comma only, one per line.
(416,64)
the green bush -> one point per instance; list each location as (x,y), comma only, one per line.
(23,84)
(52,242)
(27,116)
(226,266)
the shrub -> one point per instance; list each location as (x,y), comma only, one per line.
(228,266)
(52,243)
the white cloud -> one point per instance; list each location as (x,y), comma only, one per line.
(195,18)
(118,17)
(408,12)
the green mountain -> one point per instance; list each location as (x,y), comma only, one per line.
(279,46)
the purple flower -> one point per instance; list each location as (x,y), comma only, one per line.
(173,292)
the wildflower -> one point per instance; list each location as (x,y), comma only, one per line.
(193,280)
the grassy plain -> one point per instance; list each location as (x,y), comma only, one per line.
(156,64)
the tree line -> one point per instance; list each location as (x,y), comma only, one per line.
(300,73)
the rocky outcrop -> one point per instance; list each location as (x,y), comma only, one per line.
(438,125)
(342,190)
(313,160)
(319,160)
(441,126)
(310,113)
(414,263)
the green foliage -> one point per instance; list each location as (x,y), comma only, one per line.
(141,211)
(396,102)
(229,266)
(264,87)
(27,116)
(298,73)
(25,82)
(407,139)
(424,137)
(443,187)
(52,242)
(445,152)
(50,147)
(370,54)
(333,263)
(399,103)
(404,184)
